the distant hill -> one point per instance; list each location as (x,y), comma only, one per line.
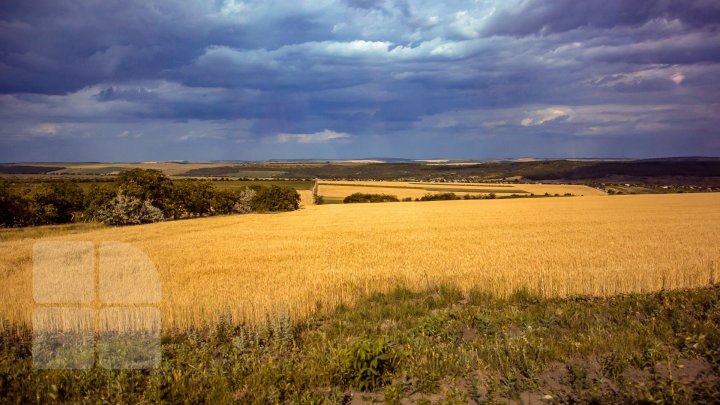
(643,168)
(675,170)
(684,159)
(25,169)
(679,169)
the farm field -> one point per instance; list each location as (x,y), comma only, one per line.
(321,256)
(335,191)
(306,197)
(169,168)
(236,184)
(31,182)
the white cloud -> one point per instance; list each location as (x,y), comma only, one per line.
(678,78)
(317,137)
(287,56)
(654,74)
(540,117)
(45,129)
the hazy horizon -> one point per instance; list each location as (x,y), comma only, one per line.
(378,158)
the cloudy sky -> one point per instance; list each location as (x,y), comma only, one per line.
(135,80)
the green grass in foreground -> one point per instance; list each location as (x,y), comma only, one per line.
(438,346)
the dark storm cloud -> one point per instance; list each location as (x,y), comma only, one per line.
(111,93)
(539,16)
(237,79)
(54,47)
(365,4)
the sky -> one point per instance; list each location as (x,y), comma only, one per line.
(140,80)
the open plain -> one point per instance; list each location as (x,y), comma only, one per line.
(319,257)
(335,191)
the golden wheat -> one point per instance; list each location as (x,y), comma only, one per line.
(319,256)
(341,189)
(306,197)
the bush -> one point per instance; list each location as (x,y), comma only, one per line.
(243,204)
(369,363)
(439,197)
(128,210)
(191,198)
(12,207)
(56,203)
(223,201)
(151,185)
(97,197)
(138,196)
(369,198)
(275,198)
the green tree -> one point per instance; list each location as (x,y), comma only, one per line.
(192,198)
(12,212)
(95,199)
(129,210)
(369,198)
(275,198)
(148,184)
(57,203)
(223,201)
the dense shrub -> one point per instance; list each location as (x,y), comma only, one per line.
(128,210)
(11,206)
(95,199)
(138,196)
(369,198)
(275,198)
(243,202)
(369,363)
(56,203)
(150,185)
(223,201)
(190,198)
(439,197)
(50,203)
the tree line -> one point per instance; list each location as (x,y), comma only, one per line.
(137,196)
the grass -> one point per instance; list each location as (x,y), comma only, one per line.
(439,345)
(312,260)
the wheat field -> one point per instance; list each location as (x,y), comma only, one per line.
(306,197)
(319,256)
(341,189)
